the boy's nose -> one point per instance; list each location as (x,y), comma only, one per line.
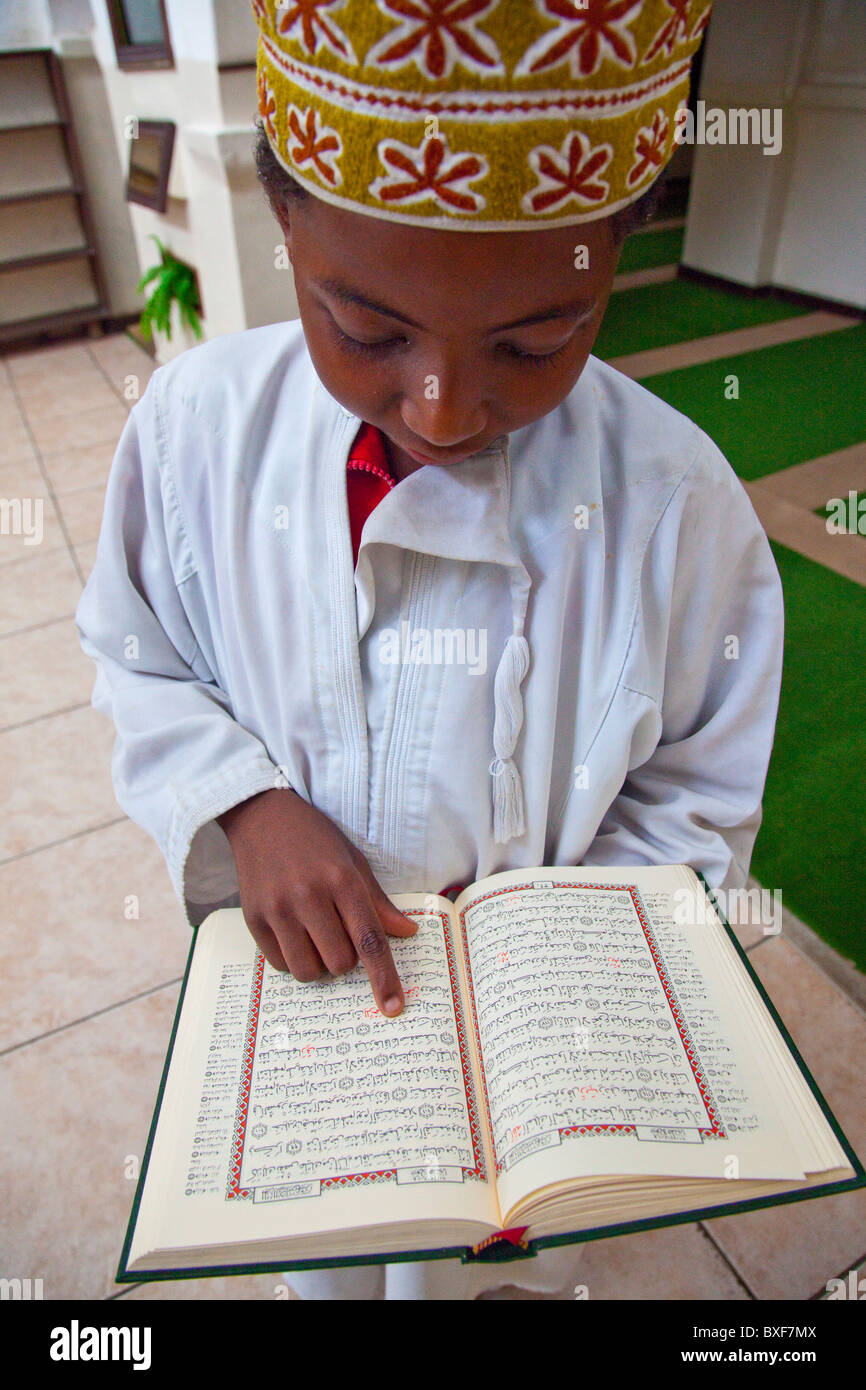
(445,417)
(444,407)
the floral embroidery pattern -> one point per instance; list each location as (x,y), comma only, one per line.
(571,172)
(316,143)
(649,148)
(436,34)
(315,28)
(584,34)
(267,104)
(670,33)
(431,172)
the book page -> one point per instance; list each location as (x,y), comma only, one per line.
(299,1107)
(611,1041)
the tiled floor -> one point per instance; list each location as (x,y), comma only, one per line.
(88,994)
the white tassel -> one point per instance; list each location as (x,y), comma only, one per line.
(508,817)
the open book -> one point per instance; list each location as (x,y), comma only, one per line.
(582,1052)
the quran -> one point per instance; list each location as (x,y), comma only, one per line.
(582,1052)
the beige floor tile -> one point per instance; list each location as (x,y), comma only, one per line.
(82,512)
(68,947)
(20,476)
(231,1289)
(33,526)
(791,1251)
(15,440)
(56,433)
(58,357)
(10,410)
(853,1286)
(748,935)
(716,345)
(806,533)
(42,671)
(39,588)
(813,483)
(78,468)
(120,358)
(61,394)
(76,1106)
(676,1263)
(86,555)
(636,279)
(57,780)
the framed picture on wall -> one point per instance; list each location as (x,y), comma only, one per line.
(150,164)
(140,31)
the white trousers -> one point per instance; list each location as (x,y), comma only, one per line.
(550,1271)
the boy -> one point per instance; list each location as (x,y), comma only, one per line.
(580,556)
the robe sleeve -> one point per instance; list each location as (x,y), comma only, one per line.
(710,616)
(180,758)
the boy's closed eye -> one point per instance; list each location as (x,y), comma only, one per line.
(381,346)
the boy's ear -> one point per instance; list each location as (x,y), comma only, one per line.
(284,220)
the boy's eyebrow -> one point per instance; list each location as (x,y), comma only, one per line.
(347,295)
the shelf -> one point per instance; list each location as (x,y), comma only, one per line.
(47,258)
(70,191)
(29,125)
(71,318)
(51,279)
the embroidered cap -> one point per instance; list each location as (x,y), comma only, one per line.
(478,114)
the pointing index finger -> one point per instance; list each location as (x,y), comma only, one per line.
(368,936)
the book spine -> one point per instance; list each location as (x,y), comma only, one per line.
(501,1246)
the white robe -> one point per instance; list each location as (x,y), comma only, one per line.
(239,649)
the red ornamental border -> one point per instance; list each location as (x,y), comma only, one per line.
(427,104)
(715,1128)
(234,1190)
(478,1171)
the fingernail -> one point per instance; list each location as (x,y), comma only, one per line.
(393,1005)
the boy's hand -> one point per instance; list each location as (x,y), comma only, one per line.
(309,896)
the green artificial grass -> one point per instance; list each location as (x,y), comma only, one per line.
(810,845)
(676,311)
(644,250)
(797,401)
(853,518)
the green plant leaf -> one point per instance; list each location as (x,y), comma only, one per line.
(146,278)
(172,280)
(189,315)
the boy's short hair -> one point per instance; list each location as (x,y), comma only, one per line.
(282,189)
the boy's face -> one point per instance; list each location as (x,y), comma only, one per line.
(445,340)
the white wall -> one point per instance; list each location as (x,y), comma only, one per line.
(217,218)
(25,24)
(796,219)
(104,178)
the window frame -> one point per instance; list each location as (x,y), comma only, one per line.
(164,132)
(133,56)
